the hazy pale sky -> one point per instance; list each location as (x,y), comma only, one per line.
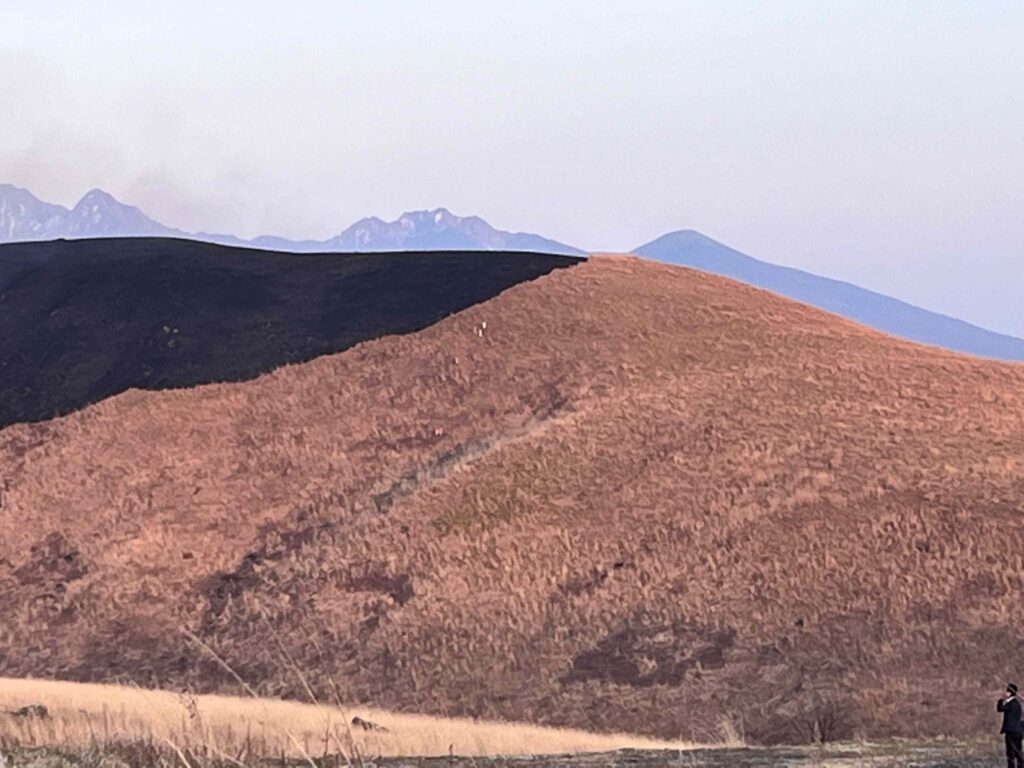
(879,142)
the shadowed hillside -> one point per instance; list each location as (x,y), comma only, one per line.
(624,496)
(83,320)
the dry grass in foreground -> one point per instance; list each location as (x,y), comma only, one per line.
(85,714)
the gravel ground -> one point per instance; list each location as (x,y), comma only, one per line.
(885,755)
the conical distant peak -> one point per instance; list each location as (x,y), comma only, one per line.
(691,235)
(97,197)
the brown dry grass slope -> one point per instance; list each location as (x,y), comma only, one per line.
(641,499)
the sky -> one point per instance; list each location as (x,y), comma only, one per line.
(876,142)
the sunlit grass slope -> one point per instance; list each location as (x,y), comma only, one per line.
(83,714)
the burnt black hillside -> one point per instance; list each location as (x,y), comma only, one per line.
(86,319)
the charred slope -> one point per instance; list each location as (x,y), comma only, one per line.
(643,498)
(87,319)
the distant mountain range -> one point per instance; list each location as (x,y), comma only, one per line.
(24,217)
(98,214)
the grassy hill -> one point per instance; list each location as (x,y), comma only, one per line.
(86,319)
(624,496)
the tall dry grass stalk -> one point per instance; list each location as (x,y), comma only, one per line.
(239,729)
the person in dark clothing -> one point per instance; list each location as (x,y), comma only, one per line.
(1013,728)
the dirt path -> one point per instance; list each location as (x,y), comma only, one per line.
(905,755)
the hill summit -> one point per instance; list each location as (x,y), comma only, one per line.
(689,248)
(23,217)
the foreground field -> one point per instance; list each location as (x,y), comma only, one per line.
(82,715)
(887,755)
